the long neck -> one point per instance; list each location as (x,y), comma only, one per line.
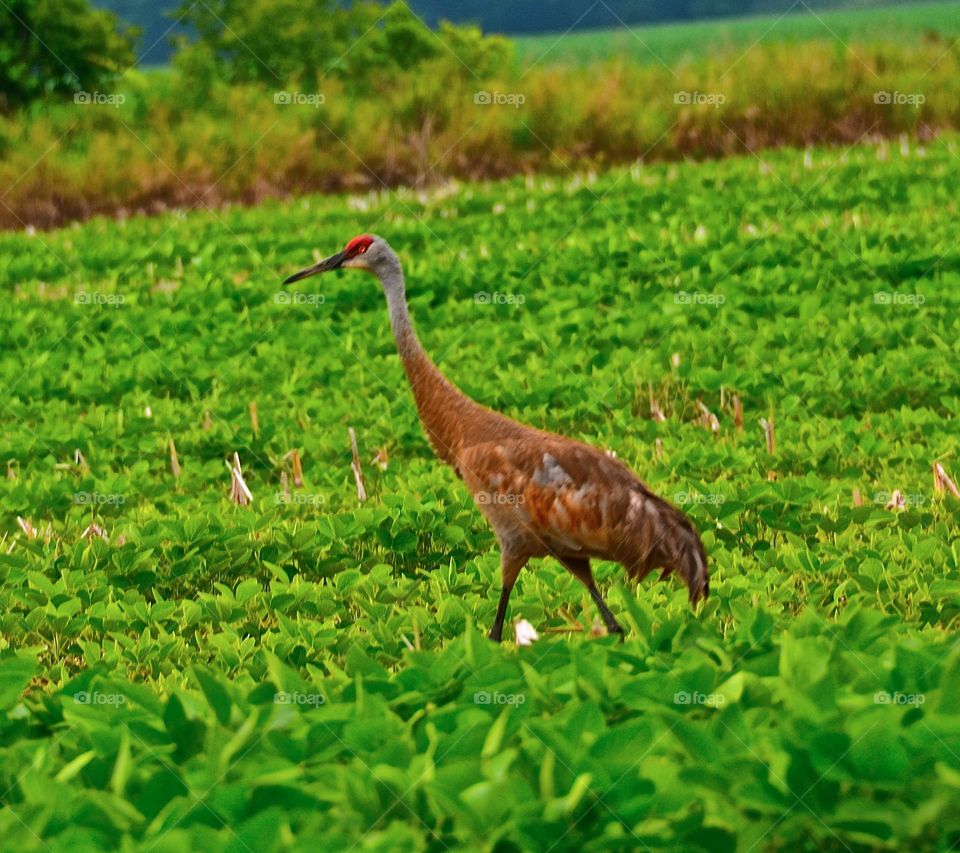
(442,407)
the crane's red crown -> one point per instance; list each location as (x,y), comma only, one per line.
(358,245)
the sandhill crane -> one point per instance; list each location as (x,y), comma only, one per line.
(543,495)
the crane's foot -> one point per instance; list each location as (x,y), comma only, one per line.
(496,632)
(614,627)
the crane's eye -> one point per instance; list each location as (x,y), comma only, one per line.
(361,250)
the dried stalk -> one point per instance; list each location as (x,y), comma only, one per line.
(239,493)
(355,465)
(656,413)
(380,459)
(94,529)
(769,434)
(897,500)
(708,419)
(942,481)
(737,412)
(297,468)
(174,461)
(80,461)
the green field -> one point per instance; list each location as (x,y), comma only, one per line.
(674,44)
(309,673)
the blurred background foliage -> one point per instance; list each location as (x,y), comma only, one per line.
(273,98)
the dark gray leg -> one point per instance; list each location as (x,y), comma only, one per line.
(509,569)
(579,567)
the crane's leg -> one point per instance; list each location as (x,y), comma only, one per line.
(510,566)
(579,567)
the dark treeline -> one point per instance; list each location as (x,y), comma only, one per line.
(538,16)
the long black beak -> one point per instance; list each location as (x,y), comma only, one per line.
(332,263)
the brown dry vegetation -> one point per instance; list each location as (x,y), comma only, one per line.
(171,146)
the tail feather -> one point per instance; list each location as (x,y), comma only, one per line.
(692,564)
(667,539)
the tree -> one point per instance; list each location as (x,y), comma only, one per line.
(283,42)
(56,47)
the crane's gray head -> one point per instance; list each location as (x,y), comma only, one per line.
(366,252)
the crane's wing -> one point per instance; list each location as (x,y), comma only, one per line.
(569,495)
(566,498)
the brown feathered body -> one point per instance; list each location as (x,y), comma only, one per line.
(546,495)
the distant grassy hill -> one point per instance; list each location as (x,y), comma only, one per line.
(671,43)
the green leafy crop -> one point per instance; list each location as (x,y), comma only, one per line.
(309,672)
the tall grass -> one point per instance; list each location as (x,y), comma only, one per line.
(172,143)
